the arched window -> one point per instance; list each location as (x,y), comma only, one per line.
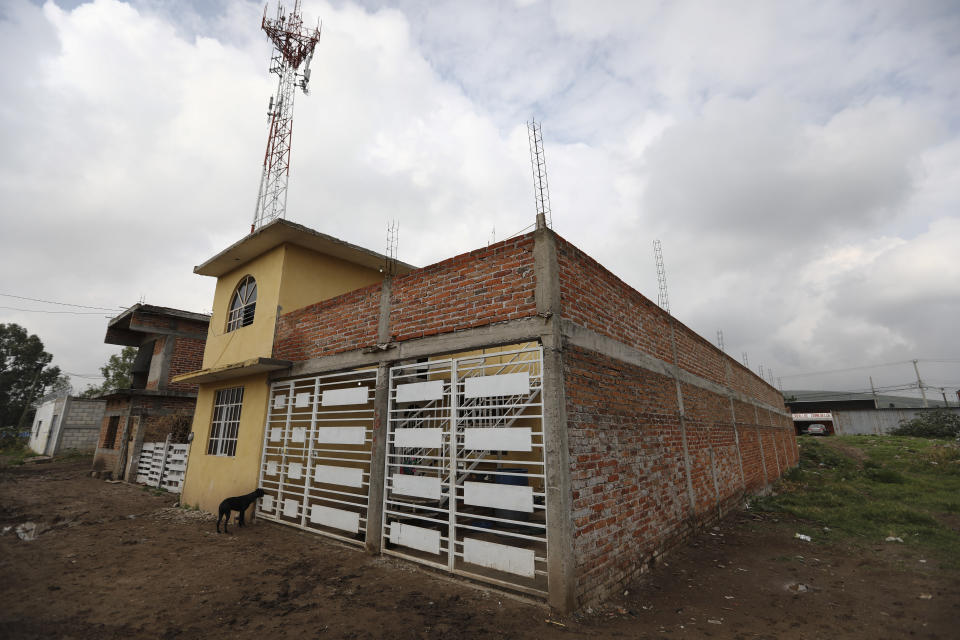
(243,304)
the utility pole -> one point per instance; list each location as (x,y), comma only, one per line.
(943,392)
(873,390)
(920,384)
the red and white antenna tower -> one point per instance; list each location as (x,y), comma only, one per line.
(292,46)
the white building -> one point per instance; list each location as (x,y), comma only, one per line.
(64,423)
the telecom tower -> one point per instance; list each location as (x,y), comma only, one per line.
(662,300)
(538,163)
(292,46)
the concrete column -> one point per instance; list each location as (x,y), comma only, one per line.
(383,324)
(561,561)
(378,455)
(683,419)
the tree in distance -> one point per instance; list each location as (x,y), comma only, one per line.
(23,374)
(117,374)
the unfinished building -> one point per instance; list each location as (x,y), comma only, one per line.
(169,342)
(516,415)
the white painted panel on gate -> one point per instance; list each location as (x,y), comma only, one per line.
(420,391)
(336,518)
(341,435)
(271,468)
(498,496)
(298,434)
(329,474)
(339,397)
(506,384)
(419,438)
(275,434)
(266,503)
(294,471)
(499,556)
(498,439)
(302,400)
(291,508)
(279,402)
(420,486)
(415,537)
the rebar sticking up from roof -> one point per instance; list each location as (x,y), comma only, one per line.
(662,299)
(393,232)
(720,340)
(538,163)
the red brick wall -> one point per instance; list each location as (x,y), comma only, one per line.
(343,323)
(628,478)
(482,287)
(596,299)
(187,356)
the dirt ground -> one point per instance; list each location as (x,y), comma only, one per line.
(115,561)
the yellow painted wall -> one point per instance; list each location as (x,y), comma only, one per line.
(287,276)
(210,479)
(310,277)
(254,340)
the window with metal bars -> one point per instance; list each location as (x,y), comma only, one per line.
(226,422)
(243,304)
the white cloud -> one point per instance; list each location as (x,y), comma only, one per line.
(799,161)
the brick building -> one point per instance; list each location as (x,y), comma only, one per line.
(170,342)
(516,414)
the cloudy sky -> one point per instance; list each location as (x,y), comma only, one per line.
(799,161)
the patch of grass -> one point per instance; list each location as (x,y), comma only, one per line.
(898,486)
(15,453)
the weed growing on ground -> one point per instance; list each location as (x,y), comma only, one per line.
(900,487)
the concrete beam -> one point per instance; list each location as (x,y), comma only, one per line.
(585,338)
(510,332)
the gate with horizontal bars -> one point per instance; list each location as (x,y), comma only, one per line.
(464,470)
(315,468)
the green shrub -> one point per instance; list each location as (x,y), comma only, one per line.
(938,423)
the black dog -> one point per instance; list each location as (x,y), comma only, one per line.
(237,503)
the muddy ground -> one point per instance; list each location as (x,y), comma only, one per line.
(115,561)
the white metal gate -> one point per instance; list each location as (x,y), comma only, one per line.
(315,467)
(464,478)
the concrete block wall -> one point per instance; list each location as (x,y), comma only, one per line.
(80,428)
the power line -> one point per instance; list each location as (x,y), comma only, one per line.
(82,375)
(72,313)
(63,304)
(869,366)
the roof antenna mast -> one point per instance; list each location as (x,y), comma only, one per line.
(292,46)
(538,163)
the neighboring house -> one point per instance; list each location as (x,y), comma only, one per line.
(516,414)
(66,423)
(170,342)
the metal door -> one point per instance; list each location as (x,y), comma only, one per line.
(315,467)
(464,478)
